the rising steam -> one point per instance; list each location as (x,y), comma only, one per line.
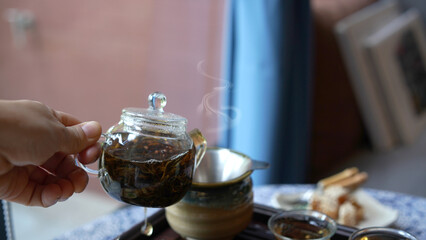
(228,115)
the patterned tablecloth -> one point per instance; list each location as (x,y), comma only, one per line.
(411,217)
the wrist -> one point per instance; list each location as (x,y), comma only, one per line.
(7,113)
(9,133)
(5,165)
(7,120)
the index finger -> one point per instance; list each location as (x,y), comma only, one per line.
(65,118)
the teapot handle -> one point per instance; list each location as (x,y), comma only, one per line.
(87,169)
(200,144)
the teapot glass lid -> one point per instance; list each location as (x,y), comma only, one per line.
(155,112)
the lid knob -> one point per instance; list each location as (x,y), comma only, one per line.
(157,101)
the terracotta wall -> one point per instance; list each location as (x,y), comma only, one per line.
(93,58)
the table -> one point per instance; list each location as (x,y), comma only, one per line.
(412,209)
(412,213)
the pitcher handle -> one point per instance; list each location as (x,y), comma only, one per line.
(200,144)
(84,167)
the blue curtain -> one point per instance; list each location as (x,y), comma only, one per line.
(268,66)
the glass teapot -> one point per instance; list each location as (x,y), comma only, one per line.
(148,159)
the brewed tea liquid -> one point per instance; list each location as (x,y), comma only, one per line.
(299,229)
(380,237)
(146,171)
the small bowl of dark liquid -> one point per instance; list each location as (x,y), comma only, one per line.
(381,233)
(302,224)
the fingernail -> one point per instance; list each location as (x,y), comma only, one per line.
(91,129)
(50,202)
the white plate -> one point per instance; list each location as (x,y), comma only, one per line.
(376,214)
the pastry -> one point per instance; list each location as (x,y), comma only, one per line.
(334,197)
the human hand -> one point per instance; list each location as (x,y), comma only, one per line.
(37,145)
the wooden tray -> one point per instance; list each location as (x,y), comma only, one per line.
(257,229)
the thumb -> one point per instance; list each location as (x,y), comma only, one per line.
(81,136)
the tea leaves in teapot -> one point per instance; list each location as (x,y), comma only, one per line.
(146,171)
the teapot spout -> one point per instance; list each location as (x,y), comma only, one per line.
(200,144)
(255,164)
